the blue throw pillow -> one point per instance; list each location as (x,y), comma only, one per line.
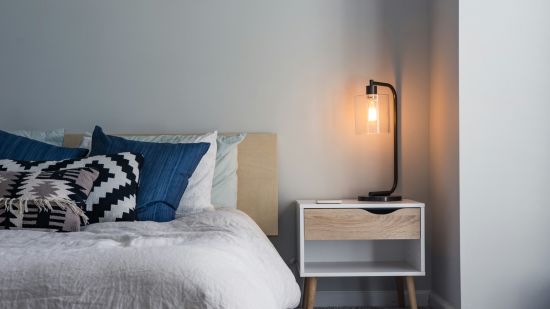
(164,175)
(22,148)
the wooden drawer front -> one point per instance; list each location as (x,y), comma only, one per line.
(360,224)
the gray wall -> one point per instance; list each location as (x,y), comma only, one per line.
(288,67)
(504,153)
(444,175)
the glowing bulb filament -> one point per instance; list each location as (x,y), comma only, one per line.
(372,112)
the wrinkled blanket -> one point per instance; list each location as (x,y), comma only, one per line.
(215,259)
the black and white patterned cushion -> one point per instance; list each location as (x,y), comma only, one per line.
(45,200)
(113,196)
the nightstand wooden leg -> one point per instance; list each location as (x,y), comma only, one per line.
(400,292)
(311,288)
(412,292)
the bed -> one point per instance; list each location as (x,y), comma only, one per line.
(214,259)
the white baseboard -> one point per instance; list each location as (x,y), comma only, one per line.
(366,298)
(438,302)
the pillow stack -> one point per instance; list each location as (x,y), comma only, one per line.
(214,182)
(134,177)
(198,194)
(165,173)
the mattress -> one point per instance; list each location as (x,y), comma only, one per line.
(216,259)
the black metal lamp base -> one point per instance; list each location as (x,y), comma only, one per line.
(380,198)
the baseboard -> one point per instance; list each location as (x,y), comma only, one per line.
(438,302)
(366,298)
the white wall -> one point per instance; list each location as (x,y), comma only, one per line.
(504,153)
(289,67)
(444,175)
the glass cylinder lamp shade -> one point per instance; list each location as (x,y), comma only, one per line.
(371,114)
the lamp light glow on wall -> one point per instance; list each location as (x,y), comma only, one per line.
(372,117)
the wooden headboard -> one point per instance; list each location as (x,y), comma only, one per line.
(257,176)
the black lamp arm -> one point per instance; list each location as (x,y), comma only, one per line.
(395,149)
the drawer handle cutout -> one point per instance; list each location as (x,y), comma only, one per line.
(380,211)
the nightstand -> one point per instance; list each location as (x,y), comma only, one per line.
(361,239)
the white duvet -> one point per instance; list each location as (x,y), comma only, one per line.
(216,259)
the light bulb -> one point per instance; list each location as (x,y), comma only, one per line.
(373,113)
(373,108)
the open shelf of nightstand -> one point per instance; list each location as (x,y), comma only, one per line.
(360,269)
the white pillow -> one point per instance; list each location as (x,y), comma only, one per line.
(198,194)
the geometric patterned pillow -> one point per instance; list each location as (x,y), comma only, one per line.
(45,200)
(113,195)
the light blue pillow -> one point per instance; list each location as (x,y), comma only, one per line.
(225,184)
(164,175)
(52,137)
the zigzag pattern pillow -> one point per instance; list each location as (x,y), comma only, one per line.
(45,200)
(113,196)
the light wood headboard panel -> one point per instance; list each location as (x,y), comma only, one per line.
(257,194)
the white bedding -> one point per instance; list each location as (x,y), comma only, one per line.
(216,259)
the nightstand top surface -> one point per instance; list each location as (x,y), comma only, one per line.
(349,203)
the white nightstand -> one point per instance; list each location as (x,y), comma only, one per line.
(361,239)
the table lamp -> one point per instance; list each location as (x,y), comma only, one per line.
(368,118)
